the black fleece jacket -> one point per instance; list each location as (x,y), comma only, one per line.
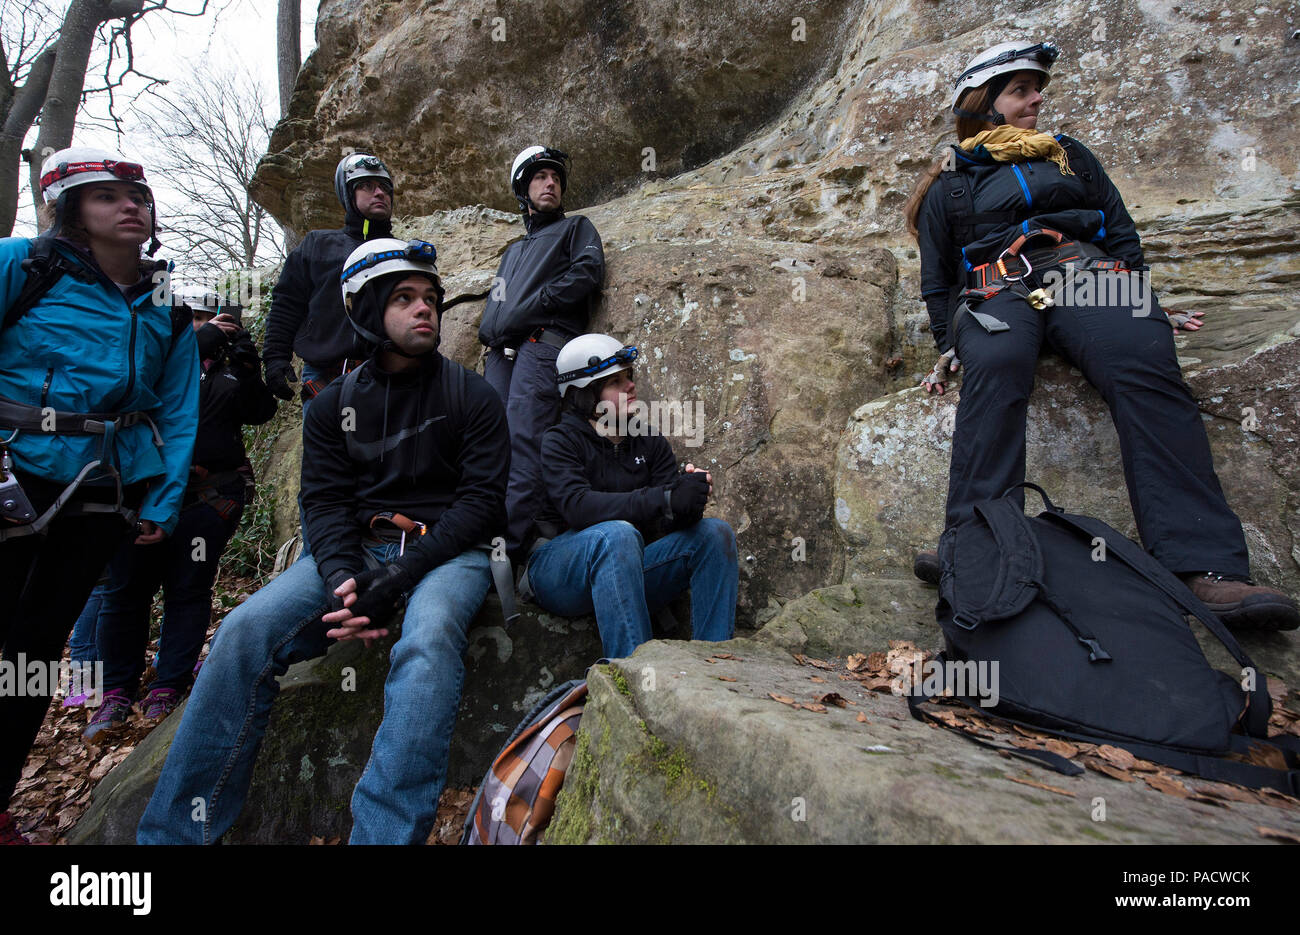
(1033,193)
(591,480)
(549,280)
(307,305)
(431,444)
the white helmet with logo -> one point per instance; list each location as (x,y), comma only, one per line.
(374,260)
(69,168)
(999,60)
(81,165)
(590,357)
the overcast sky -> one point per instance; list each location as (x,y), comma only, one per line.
(233,34)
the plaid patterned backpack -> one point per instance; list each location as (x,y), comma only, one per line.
(516,800)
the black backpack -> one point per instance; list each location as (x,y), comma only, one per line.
(1090,639)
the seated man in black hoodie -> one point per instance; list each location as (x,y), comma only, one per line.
(622,532)
(404,475)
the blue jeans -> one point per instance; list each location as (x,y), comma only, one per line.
(608,569)
(83,646)
(216,745)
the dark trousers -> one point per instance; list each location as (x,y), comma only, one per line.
(527,386)
(44,583)
(184,565)
(1181,514)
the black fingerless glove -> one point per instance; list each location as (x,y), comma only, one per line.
(687,497)
(379,590)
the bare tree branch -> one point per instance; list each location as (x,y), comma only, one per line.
(210,134)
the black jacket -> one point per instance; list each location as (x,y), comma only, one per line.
(231,395)
(548,280)
(430,444)
(1034,192)
(591,480)
(307,305)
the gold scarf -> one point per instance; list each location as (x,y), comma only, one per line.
(1013,144)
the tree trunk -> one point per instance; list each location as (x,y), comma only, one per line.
(288,48)
(24,106)
(76,37)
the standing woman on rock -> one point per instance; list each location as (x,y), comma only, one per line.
(996,231)
(98,411)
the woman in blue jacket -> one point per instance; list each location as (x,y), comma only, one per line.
(98,412)
(995,234)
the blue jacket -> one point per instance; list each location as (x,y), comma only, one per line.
(86,348)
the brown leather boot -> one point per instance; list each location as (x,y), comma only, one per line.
(926,566)
(1244,605)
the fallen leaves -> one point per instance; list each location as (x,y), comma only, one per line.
(834,698)
(815,663)
(1278,835)
(725,678)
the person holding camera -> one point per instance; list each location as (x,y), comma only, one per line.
(231,395)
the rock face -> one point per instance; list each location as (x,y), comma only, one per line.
(448,94)
(704,266)
(684,743)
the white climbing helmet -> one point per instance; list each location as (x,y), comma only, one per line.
(590,357)
(532,159)
(383,256)
(81,165)
(1002,58)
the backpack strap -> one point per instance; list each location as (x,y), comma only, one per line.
(1019,572)
(347,391)
(959,207)
(1213,768)
(1053,761)
(1260,706)
(45,266)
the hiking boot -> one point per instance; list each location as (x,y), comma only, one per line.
(9,831)
(1244,605)
(159,703)
(926,566)
(110,718)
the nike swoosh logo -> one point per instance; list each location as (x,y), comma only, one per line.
(384,445)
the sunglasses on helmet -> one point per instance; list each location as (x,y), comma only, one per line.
(420,251)
(1044,53)
(624,355)
(126,171)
